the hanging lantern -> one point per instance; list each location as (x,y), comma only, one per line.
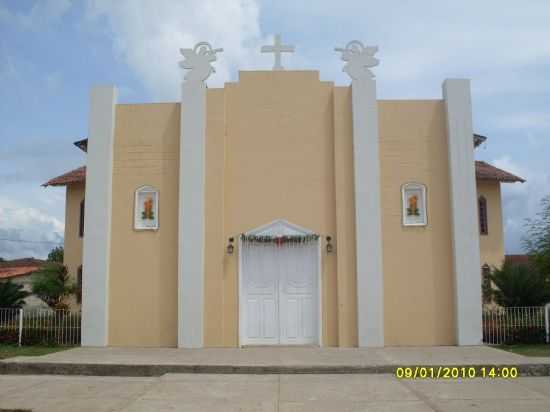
(329,245)
(230,247)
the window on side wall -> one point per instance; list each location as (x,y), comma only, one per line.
(81,221)
(79,285)
(483,222)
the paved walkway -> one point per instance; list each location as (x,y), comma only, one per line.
(288,356)
(270,393)
(132,362)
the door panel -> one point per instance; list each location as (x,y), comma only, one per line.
(270,319)
(298,294)
(253,326)
(260,290)
(290,327)
(309,315)
(280,292)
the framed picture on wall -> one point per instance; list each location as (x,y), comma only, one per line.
(146,209)
(414,204)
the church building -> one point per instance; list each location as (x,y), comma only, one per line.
(282,209)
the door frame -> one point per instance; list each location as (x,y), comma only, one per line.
(297,230)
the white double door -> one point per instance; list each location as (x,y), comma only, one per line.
(279,293)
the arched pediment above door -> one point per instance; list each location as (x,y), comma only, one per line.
(280,227)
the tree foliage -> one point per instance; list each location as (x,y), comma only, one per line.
(51,284)
(486,286)
(12,295)
(537,239)
(519,285)
(56,255)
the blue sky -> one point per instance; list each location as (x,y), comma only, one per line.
(53,51)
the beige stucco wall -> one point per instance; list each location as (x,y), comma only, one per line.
(143,271)
(346,276)
(278,164)
(72,257)
(492,245)
(279,146)
(265,167)
(418,280)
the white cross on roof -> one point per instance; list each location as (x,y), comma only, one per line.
(277,49)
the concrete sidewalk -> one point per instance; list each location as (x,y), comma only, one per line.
(264,360)
(271,393)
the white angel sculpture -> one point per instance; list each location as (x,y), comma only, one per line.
(197,61)
(359,59)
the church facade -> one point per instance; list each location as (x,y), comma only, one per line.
(282,210)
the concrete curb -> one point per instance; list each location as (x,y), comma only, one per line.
(125,370)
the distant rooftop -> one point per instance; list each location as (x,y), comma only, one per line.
(485,171)
(82,144)
(19,267)
(479,139)
(74,176)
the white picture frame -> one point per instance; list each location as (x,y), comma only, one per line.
(146,208)
(414,204)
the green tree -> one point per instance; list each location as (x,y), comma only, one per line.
(56,255)
(537,239)
(519,285)
(2,259)
(51,284)
(486,286)
(12,295)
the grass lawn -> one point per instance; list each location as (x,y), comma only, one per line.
(10,351)
(527,350)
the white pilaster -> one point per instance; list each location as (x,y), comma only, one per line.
(366,161)
(191,215)
(97,223)
(191,194)
(464,219)
(368,230)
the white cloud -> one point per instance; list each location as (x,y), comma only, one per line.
(11,70)
(27,210)
(148,36)
(36,160)
(420,42)
(520,200)
(18,225)
(41,14)
(524,121)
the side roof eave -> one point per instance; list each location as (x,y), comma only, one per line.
(488,172)
(74,176)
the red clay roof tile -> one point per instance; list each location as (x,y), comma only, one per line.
(74,176)
(485,171)
(19,267)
